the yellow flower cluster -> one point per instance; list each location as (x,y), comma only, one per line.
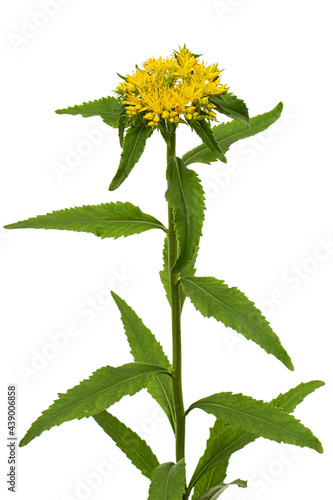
(172,89)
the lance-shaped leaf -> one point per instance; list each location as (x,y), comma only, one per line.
(206,474)
(108,220)
(186,197)
(215,492)
(109,108)
(146,349)
(225,439)
(206,134)
(231,106)
(213,297)
(228,133)
(133,145)
(105,387)
(130,443)
(168,482)
(188,270)
(259,418)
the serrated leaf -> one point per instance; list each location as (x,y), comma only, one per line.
(206,477)
(206,134)
(188,270)
(130,443)
(108,108)
(108,220)
(213,298)
(186,197)
(168,482)
(133,147)
(216,491)
(231,106)
(289,400)
(259,418)
(105,387)
(146,349)
(225,439)
(228,133)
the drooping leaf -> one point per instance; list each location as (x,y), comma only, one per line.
(186,197)
(206,477)
(231,106)
(259,418)
(206,134)
(213,297)
(188,270)
(226,439)
(146,349)
(134,447)
(168,482)
(215,492)
(133,146)
(105,387)
(108,220)
(109,108)
(228,133)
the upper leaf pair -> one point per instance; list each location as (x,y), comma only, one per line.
(216,141)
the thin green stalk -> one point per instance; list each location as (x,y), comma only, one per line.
(176,326)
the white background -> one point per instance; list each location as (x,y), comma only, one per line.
(268,230)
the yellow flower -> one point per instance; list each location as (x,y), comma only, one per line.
(165,89)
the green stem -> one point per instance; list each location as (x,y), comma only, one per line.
(176,325)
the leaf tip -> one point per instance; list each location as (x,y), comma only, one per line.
(115,297)
(279,107)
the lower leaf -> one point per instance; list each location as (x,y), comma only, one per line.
(259,418)
(146,349)
(225,440)
(135,448)
(105,387)
(168,482)
(206,476)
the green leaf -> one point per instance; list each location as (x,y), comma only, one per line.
(213,297)
(289,400)
(109,108)
(259,418)
(133,146)
(215,492)
(205,476)
(135,448)
(146,349)
(228,133)
(225,439)
(108,220)
(168,482)
(105,387)
(186,197)
(206,134)
(188,270)
(231,106)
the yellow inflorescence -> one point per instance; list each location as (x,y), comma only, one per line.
(171,89)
